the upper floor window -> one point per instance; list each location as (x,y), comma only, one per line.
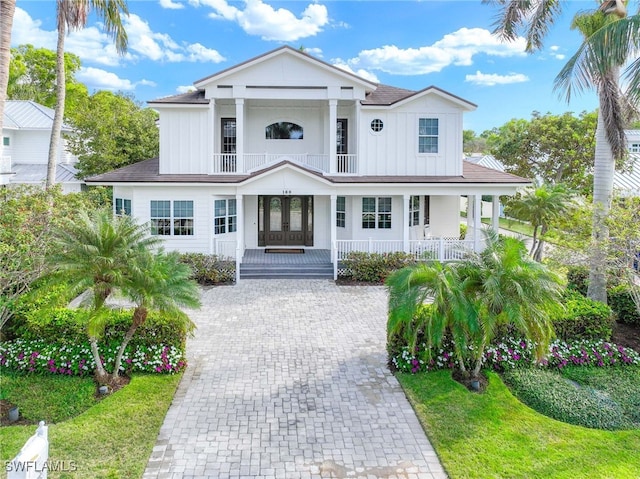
(225,216)
(341,211)
(122,207)
(634,148)
(377,125)
(341,137)
(6,141)
(228,135)
(164,223)
(428,135)
(283,130)
(376,213)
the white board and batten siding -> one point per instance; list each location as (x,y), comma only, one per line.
(394,150)
(184,140)
(32,147)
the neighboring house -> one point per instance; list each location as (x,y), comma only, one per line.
(488,161)
(287,151)
(627,183)
(26,132)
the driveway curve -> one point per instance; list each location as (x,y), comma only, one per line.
(288,379)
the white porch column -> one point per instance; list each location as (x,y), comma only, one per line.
(239,234)
(477,221)
(334,235)
(405,223)
(333,126)
(240,135)
(470,200)
(495,213)
(211,145)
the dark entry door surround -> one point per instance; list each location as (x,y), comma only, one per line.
(286,220)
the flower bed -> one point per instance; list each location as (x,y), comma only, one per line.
(38,356)
(512,353)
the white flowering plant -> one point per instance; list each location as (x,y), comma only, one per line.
(42,357)
(514,353)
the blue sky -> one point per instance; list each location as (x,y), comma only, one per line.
(173,43)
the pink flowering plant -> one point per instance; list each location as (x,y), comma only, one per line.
(514,353)
(42,357)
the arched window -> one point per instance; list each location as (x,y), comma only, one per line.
(283,130)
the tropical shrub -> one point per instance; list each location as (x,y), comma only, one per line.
(375,267)
(622,303)
(557,397)
(578,279)
(463,231)
(583,318)
(69,326)
(210,269)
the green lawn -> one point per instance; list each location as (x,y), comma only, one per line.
(112,439)
(493,435)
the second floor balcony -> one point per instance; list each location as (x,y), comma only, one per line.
(232,163)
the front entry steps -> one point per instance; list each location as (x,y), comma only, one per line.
(313,264)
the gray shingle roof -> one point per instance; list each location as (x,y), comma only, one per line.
(190,97)
(148,172)
(29,115)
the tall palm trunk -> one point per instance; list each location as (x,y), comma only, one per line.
(7,9)
(604,167)
(61,90)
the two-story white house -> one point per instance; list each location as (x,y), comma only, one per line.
(627,183)
(287,151)
(26,132)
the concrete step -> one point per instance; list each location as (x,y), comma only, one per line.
(288,271)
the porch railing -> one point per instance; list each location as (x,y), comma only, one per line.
(224,248)
(442,249)
(228,162)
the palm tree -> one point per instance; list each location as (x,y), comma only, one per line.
(98,252)
(611,38)
(471,299)
(72,15)
(7,9)
(540,206)
(161,282)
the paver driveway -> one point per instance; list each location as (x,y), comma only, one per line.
(288,379)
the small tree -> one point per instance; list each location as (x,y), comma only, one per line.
(99,252)
(473,297)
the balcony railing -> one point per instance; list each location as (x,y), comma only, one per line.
(5,164)
(228,162)
(442,249)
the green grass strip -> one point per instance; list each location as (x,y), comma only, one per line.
(493,435)
(113,439)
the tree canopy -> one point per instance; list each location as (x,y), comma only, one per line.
(551,148)
(111,131)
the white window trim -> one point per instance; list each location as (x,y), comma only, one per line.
(418,135)
(342,212)
(172,219)
(377,213)
(123,208)
(226,216)
(414,211)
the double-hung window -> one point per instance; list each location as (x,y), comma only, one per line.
(634,148)
(341,212)
(414,211)
(376,213)
(166,221)
(225,216)
(428,135)
(122,207)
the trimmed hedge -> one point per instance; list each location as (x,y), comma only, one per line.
(623,305)
(375,267)
(68,326)
(583,318)
(210,269)
(554,396)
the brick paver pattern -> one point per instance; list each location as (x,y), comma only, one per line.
(288,379)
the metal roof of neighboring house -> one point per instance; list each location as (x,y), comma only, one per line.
(486,160)
(30,173)
(627,183)
(28,115)
(148,172)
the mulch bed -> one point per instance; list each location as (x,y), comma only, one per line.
(627,335)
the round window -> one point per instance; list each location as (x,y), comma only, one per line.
(376,125)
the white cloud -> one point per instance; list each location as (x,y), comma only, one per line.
(98,79)
(367,75)
(316,52)
(171,5)
(457,48)
(185,88)
(492,79)
(94,46)
(259,18)
(554,48)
